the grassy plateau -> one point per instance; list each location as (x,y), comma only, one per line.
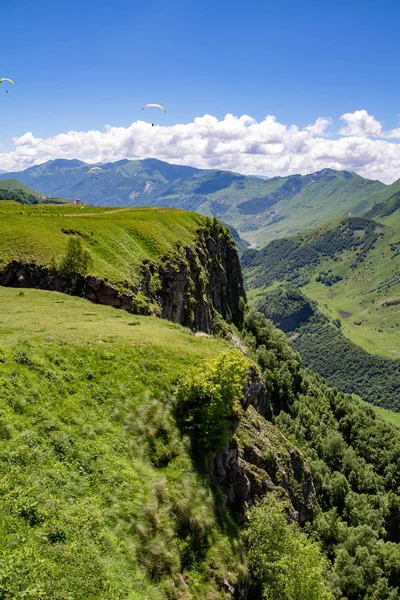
(118,239)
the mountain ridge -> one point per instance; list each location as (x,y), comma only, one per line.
(259,209)
(336,291)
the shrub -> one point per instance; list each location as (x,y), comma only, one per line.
(77,259)
(207,400)
(155,284)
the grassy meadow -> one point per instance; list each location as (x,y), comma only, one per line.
(117,239)
(99,495)
(362,299)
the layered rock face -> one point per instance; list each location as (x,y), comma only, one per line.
(206,278)
(185,287)
(258,459)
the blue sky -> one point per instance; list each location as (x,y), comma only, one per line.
(82,64)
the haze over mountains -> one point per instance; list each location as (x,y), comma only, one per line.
(260,209)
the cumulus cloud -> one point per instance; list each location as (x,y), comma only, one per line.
(360,123)
(393,133)
(240,144)
(319,127)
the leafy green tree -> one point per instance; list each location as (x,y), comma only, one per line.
(283,561)
(382,591)
(354,458)
(77,260)
(337,489)
(207,400)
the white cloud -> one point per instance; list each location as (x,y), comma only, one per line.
(360,123)
(319,127)
(393,133)
(240,144)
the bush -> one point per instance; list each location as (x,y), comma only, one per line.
(155,284)
(208,399)
(77,259)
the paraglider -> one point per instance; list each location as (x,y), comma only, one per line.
(160,106)
(154,106)
(6,79)
(94,171)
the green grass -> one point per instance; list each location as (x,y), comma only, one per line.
(359,299)
(14,184)
(99,496)
(388,415)
(57,318)
(118,239)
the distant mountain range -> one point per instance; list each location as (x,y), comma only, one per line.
(260,209)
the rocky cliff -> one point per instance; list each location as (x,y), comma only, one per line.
(186,286)
(258,459)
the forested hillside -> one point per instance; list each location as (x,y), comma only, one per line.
(326,350)
(343,317)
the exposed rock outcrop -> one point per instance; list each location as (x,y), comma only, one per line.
(205,279)
(258,459)
(186,287)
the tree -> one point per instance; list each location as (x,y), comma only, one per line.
(208,399)
(283,561)
(77,260)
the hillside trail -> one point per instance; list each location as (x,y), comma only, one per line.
(106,212)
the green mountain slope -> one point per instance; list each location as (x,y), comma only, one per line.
(14,184)
(351,268)
(260,209)
(12,189)
(99,496)
(350,271)
(118,239)
(301,202)
(381,197)
(142,460)
(178,265)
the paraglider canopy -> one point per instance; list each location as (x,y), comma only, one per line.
(154,106)
(6,79)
